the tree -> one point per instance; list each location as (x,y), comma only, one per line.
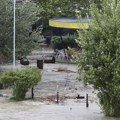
(21,80)
(99,61)
(62,8)
(5,27)
(26,16)
(26,37)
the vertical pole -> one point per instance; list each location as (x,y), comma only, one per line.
(87,104)
(32,93)
(14,34)
(57,97)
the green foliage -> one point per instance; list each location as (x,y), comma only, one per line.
(26,38)
(62,8)
(65,8)
(64,42)
(99,62)
(26,16)
(5,27)
(56,43)
(21,80)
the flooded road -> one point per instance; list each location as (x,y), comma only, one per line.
(55,77)
(34,110)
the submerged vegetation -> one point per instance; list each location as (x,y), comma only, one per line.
(21,81)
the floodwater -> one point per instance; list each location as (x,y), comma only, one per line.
(35,110)
(55,78)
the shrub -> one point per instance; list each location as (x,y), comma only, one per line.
(64,43)
(99,62)
(21,80)
(56,43)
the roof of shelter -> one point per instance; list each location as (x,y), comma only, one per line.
(73,23)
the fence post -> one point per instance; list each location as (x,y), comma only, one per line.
(87,104)
(32,93)
(57,97)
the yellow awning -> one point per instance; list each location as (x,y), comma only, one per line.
(69,23)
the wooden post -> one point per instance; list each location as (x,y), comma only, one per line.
(32,93)
(87,104)
(57,97)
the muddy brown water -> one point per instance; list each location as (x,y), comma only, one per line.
(44,106)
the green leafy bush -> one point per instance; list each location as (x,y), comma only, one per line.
(99,61)
(64,43)
(21,80)
(56,43)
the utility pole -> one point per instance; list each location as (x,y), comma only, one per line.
(14,4)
